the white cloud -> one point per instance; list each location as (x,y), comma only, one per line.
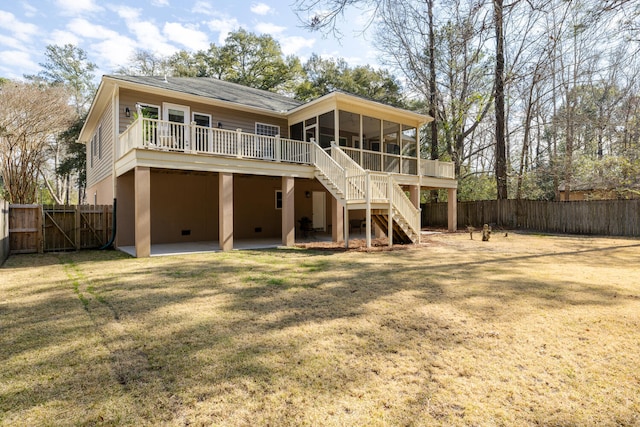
(114,52)
(292,45)
(188,36)
(126,12)
(261,8)
(160,3)
(59,37)
(20,30)
(268,28)
(77,7)
(29,10)
(223,27)
(16,60)
(147,34)
(11,42)
(83,28)
(203,8)
(149,37)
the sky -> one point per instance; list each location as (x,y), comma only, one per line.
(110,31)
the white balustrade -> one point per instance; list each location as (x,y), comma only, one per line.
(191,138)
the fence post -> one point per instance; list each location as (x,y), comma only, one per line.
(40,230)
(105,224)
(78,225)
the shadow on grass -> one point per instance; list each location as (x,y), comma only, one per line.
(230,333)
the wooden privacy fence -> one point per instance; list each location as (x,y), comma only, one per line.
(4,230)
(602,217)
(37,228)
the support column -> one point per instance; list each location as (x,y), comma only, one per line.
(452,209)
(414,195)
(288,212)
(345,226)
(337,221)
(367,195)
(225,203)
(142,210)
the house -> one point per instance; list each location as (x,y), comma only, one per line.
(598,190)
(201,159)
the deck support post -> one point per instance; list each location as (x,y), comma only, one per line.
(142,209)
(414,195)
(337,221)
(367,196)
(390,217)
(225,203)
(452,206)
(345,226)
(288,212)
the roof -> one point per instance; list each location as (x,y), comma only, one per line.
(217,89)
(244,97)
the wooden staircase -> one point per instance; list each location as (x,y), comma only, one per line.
(402,232)
(378,193)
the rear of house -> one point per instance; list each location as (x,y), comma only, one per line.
(199,159)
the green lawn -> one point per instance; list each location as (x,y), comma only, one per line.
(521,330)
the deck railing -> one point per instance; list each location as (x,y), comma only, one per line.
(394,163)
(164,135)
(437,168)
(190,138)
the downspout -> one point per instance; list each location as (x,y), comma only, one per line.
(115,103)
(109,244)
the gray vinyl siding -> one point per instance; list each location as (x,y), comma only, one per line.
(99,163)
(230,119)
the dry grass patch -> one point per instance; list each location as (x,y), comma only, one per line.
(521,330)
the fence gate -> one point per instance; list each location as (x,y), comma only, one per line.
(50,228)
(25,229)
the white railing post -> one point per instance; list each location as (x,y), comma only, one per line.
(367,197)
(192,140)
(239,142)
(390,218)
(278,149)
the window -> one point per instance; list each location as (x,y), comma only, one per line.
(150,111)
(96,145)
(93,149)
(100,142)
(202,119)
(278,199)
(201,134)
(267,130)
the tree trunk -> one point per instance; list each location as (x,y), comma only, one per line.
(501,157)
(432,92)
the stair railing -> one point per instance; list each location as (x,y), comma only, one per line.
(359,184)
(329,167)
(404,207)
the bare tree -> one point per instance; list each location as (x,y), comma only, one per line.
(31,116)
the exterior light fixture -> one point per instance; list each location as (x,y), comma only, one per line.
(127,112)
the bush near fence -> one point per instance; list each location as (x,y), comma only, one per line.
(599,217)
